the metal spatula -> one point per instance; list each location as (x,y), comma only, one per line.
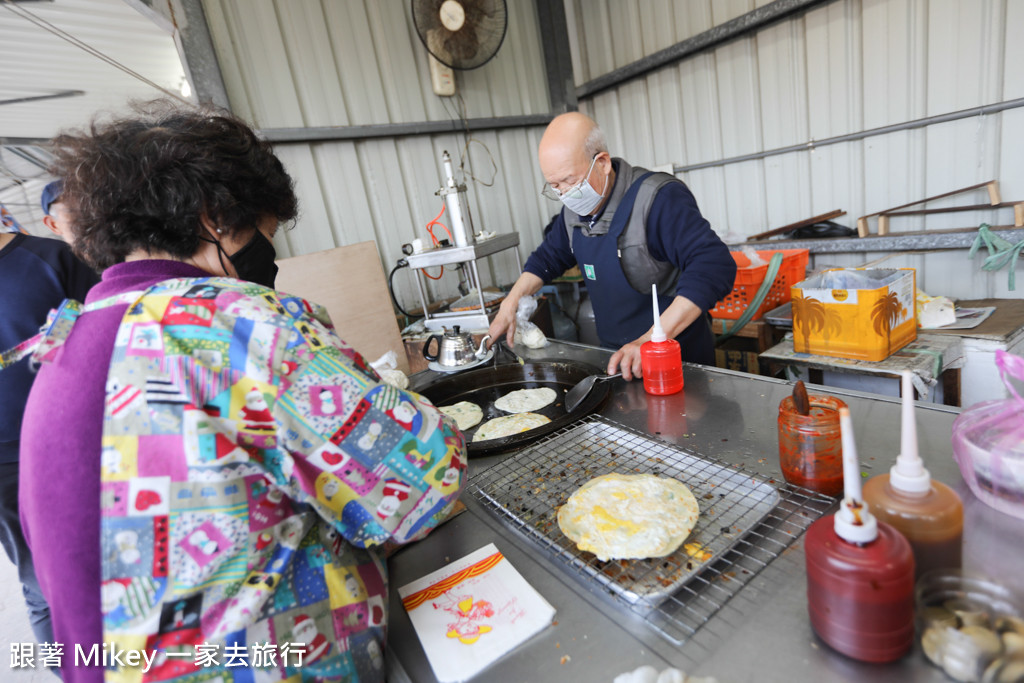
(582,388)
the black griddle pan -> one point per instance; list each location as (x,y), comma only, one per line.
(483,385)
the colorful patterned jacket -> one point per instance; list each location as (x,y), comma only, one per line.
(251,462)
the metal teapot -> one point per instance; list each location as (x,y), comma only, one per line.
(455,349)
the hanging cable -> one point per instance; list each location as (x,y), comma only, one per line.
(402,263)
(459,115)
(64,35)
(437,221)
(437,242)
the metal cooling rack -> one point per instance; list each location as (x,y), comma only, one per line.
(744,524)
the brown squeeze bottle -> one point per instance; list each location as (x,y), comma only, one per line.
(810,447)
(929,513)
(860,575)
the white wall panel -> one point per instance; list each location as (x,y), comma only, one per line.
(353,54)
(319,63)
(726,10)
(35,62)
(845,67)
(312,229)
(344,192)
(304,28)
(701,105)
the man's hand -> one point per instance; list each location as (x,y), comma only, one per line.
(504,321)
(627,359)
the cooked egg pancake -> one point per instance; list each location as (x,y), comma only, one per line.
(466,415)
(526,400)
(629,516)
(508,425)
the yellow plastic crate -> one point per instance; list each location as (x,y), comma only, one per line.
(870,319)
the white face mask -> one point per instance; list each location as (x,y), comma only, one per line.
(581,198)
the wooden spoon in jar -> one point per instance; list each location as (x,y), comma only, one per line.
(801,401)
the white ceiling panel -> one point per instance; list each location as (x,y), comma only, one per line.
(36,62)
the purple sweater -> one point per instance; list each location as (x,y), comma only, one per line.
(60,463)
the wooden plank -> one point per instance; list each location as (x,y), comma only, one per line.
(883,224)
(799,224)
(862,223)
(993,193)
(954,209)
(349,282)
(862,227)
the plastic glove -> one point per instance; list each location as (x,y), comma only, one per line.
(527,333)
(648,674)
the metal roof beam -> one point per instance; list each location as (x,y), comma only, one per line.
(390,130)
(195,45)
(185,20)
(554,37)
(48,96)
(717,35)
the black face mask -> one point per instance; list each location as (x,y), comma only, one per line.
(255,261)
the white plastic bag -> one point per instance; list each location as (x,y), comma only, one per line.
(526,332)
(755,258)
(387,367)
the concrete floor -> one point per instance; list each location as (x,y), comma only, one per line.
(14,628)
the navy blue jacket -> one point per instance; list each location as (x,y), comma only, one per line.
(36,274)
(676,232)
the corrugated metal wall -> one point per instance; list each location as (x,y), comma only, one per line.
(845,67)
(302,63)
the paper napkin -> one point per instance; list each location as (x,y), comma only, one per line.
(470,613)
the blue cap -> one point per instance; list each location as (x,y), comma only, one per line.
(51,193)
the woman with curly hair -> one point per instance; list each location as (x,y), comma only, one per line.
(208,469)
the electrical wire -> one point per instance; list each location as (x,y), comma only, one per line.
(459,114)
(437,221)
(437,242)
(19,181)
(64,35)
(402,263)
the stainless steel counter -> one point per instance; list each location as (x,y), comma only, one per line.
(763,632)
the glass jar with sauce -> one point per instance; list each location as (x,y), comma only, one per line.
(810,446)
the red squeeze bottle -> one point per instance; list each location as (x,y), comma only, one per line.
(661,359)
(860,574)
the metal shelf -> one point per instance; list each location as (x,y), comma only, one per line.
(475,318)
(471,252)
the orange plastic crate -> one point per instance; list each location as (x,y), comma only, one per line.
(748,281)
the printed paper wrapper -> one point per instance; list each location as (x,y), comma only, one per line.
(472,612)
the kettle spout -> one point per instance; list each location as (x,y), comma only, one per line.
(482,351)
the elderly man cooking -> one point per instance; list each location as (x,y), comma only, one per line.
(627,228)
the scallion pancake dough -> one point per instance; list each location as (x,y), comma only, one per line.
(508,425)
(466,415)
(629,516)
(526,400)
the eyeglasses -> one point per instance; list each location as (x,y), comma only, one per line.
(574,191)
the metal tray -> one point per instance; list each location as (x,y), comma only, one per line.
(527,490)
(485,384)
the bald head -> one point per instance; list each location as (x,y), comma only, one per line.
(573,153)
(571,140)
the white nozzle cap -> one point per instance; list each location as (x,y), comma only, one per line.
(658,335)
(449,172)
(909,474)
(854,523)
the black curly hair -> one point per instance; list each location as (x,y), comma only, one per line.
(144,181)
